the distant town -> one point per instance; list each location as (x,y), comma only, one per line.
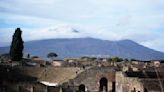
(20,73)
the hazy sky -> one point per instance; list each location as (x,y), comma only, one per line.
(138,20)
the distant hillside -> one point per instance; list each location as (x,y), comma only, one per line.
(77,47)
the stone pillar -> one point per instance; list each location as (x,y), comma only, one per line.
(17,88)
(31,89)
(46,89)
(104,89)
(60,89)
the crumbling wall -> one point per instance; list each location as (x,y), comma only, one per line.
(128,84)
(91,78)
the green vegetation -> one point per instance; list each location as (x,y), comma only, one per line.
(114,60)
(88,58)
(28,56)
(16,49)
(52,55)
(117,59)
(85,57)
(126,59)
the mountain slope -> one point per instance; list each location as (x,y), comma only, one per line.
(77,47)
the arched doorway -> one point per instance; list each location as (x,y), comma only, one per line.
(103,84)
(82,88)
(145,90)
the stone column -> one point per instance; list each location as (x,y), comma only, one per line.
(60,89)
(46,89)
(31,89)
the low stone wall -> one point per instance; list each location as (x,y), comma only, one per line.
(34,87)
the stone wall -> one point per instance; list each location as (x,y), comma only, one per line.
(34,87)
(128,84)
(91,78)
(26,87)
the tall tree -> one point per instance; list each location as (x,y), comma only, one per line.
(16,48)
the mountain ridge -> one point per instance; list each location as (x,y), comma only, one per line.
(77,47)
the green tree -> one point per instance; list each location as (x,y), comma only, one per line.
(93,58)
(28,56)
(115,59)
(16,48)
(52,55)
(109,60)
(126,59)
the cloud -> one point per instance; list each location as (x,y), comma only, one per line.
(139,20)
(57,31)
(25,21)
(149,39)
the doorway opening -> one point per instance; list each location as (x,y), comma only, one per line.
(82,88)
(103,84)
